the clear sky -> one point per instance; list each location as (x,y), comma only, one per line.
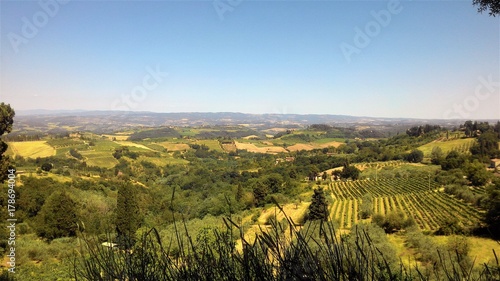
(422,59)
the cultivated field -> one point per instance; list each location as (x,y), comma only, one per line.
(415,197)
(132,144)
(31,149)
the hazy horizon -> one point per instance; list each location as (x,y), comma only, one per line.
(385,59)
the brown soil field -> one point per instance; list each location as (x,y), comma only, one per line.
(301,146)
(229,147)
(174,146)
(250,147)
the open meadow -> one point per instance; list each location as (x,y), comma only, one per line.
(460,145)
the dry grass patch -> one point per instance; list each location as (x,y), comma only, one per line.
(296,212)
(174,146)
(301,146)
(481,249)
(331,143)
(229,147)
(250,147)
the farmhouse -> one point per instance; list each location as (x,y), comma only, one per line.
(495,163)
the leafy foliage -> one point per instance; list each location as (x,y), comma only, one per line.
(6,121)
(366,208)
(73,152)
(415,156)
(154,133)
(350,172)
(492,6)
(487,145)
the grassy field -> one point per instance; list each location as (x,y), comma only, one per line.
(480,249)
(31,149)
(99,159)
(462,145)
(329,140)
(134,146)
(59,178)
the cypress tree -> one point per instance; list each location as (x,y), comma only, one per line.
(127,215)
(318,210)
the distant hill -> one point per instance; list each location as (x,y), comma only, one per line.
(110,121)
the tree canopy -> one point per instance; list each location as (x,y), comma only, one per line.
(58,217)
(6,121)
(491,6)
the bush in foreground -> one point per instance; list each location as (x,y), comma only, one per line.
(314,252)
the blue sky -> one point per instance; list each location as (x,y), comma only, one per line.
(427,59)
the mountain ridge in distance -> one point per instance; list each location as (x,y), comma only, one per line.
(107,121)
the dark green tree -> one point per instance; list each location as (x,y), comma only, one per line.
(260,191)
(46,167)
(350,172)
(492,6)
(492,205)
(453,160)
(239,193)
(487,145)
(415,156)
(6,121)
(313,172)
(318,210)
(58,217)
(34,194)
(128,218)
(274,182)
